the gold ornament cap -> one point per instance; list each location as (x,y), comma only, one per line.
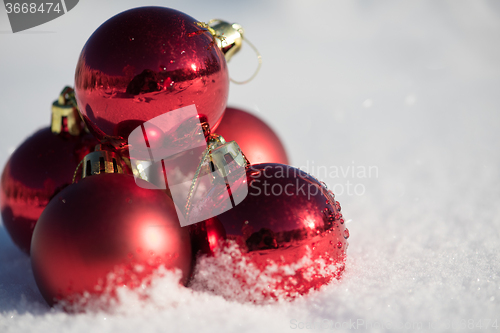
(222,153)
(65,115)
(229,37)
(102,161)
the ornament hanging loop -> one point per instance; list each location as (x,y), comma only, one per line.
(229,38)
(259,59)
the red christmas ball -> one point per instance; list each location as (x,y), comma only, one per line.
(39,168)
(284,239)
(257,140)
(145,62)
(106,224)
(205,236)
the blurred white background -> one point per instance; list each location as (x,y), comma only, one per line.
(410,88)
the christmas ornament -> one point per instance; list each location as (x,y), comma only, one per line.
(259,142)
(285,238)
(40,167)
(145,62)
(105,231)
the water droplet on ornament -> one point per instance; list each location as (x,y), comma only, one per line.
(346,233)
(131,39)
(341,221)
(183,52)
(337,205)
(324,185)
(255,173)
(339,245)
(338,216)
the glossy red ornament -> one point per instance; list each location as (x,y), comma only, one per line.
(106,224)
(289,229)
(145,62)
(257,140)
(39,168)
(205,236)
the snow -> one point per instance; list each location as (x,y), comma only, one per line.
(406,90)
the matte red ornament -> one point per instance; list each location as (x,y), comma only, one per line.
(257,140)
(145,62)
(289,229)
(39,168)
(106,224)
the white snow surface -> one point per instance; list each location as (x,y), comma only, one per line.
(407,91)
